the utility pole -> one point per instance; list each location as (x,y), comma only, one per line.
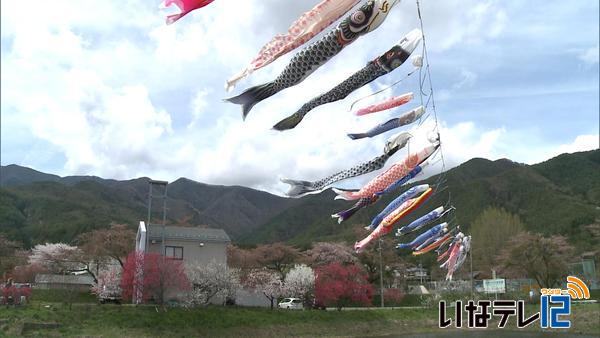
(381,273)
(163,196)
(471,263)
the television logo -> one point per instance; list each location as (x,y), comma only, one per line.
(556,302)
(554,305)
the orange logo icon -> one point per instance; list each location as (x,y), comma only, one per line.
(576,288)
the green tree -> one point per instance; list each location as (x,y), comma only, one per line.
(491,232)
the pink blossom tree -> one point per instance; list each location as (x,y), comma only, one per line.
(342,285)
(12,294)
(109,282)
(152,276)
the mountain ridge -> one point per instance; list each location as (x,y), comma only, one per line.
(562,194)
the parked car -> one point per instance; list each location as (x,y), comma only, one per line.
(291,304)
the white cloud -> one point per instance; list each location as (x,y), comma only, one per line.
(590,55)
(198,106)
(458,22)
(581,143)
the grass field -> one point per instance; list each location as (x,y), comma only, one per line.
(148,321)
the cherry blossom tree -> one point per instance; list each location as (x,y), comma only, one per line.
(244,259)
(27,273)
(109,282)
(535,256)
(56,257)
(267,282)
(323,253)
(63,259)
(278,257)
(300,282)
(153,277)
(212,280)
(114,242)
(393,297)
(342,285)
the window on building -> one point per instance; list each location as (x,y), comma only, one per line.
(175,252)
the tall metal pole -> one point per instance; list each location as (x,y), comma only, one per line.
(381,273)
(162,196)
(148,219)
(471,263)
(164,220)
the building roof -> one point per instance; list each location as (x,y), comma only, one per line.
(64,279)
(188,233)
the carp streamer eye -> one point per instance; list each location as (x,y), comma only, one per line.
(358,17)
(395,63)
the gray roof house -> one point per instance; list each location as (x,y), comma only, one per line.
(190,244)
(71,282)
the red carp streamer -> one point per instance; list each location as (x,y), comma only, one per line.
(385,105)
(185,6)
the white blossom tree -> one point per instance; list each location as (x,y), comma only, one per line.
(109,282)
(300,282)
(267,282)
(212,280)
(56,257)
(63,259)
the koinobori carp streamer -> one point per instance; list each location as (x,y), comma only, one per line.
(301,31)
(390,103)
(387,224)
(385,179)
(400,213)
(382,65)
(433,232)
(457,254)
(361,203)
(432,244)
(301,188)
(393,205)
(362,21)
(366,201)
(185,6)
(406,118)
(421,221)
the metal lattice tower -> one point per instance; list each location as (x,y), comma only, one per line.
(158,190)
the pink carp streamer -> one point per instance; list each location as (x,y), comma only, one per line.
(305,28)
(457,253)
(384,180)
(385,105)
(185,6)
(451,262)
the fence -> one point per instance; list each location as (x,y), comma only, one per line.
(464,286)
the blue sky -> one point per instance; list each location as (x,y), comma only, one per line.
(106,89)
